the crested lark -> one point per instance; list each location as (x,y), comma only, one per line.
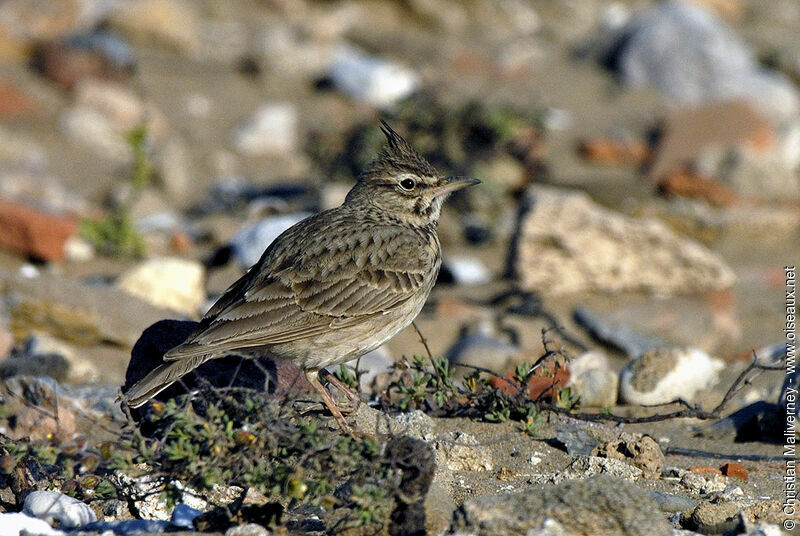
(335,285)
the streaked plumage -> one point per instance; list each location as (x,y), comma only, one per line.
(335,285)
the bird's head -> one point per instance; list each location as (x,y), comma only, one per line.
(401,182)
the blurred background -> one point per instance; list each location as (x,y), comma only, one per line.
(639,163)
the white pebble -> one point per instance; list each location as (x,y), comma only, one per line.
(58,508)
(17,524)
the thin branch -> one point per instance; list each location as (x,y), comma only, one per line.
(423,340)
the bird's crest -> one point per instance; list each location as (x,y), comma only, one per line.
(398,156)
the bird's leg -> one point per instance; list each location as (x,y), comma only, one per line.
(311,376)
(336,382)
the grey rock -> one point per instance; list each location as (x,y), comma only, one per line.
(614,334)
(467,270)
(671,502)
(76,312)
(251,241)
(567,244)
(692,56)
(22,364)
(600,505)
(415,424)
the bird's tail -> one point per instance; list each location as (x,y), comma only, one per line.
(161,378)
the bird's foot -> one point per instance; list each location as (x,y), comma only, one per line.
(354,398)
(311,376)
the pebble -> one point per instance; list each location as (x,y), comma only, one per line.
(598,388)
(249,243)
(123,109)
(89,127)
(249,529)
(567,244)
(672,502)
(169,282)
(271,130)
(376,81)
(467,270)
(58,508)
(663,375)
(19,524)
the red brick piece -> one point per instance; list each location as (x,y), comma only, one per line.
(735,470)
(35,233)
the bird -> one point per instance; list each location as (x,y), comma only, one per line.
(335,285)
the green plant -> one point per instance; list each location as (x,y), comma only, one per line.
(115,233)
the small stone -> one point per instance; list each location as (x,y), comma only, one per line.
(272,130)
(671,502)
(568,244)
(19,524)
(701,484)
(58,509)
(458,451)
(40,413)
(169,282)
(76,249)
(662,376)
(379,82)
(596,387)
(716,518)
(641,451)
(586,466)
(467,271)
(250,242)
(78,370)
(29,231)
(614,334)
(735,470)
(249,529)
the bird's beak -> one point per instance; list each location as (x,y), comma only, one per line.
(451,184)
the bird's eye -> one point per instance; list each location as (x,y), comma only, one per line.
(407,184)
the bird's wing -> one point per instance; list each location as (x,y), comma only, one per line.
(316,285)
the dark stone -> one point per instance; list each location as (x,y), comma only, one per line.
(233,371)
(417,462)
(54,365)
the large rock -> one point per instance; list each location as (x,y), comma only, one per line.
(600,506)
(692,56)
(568,244)
(74,311)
